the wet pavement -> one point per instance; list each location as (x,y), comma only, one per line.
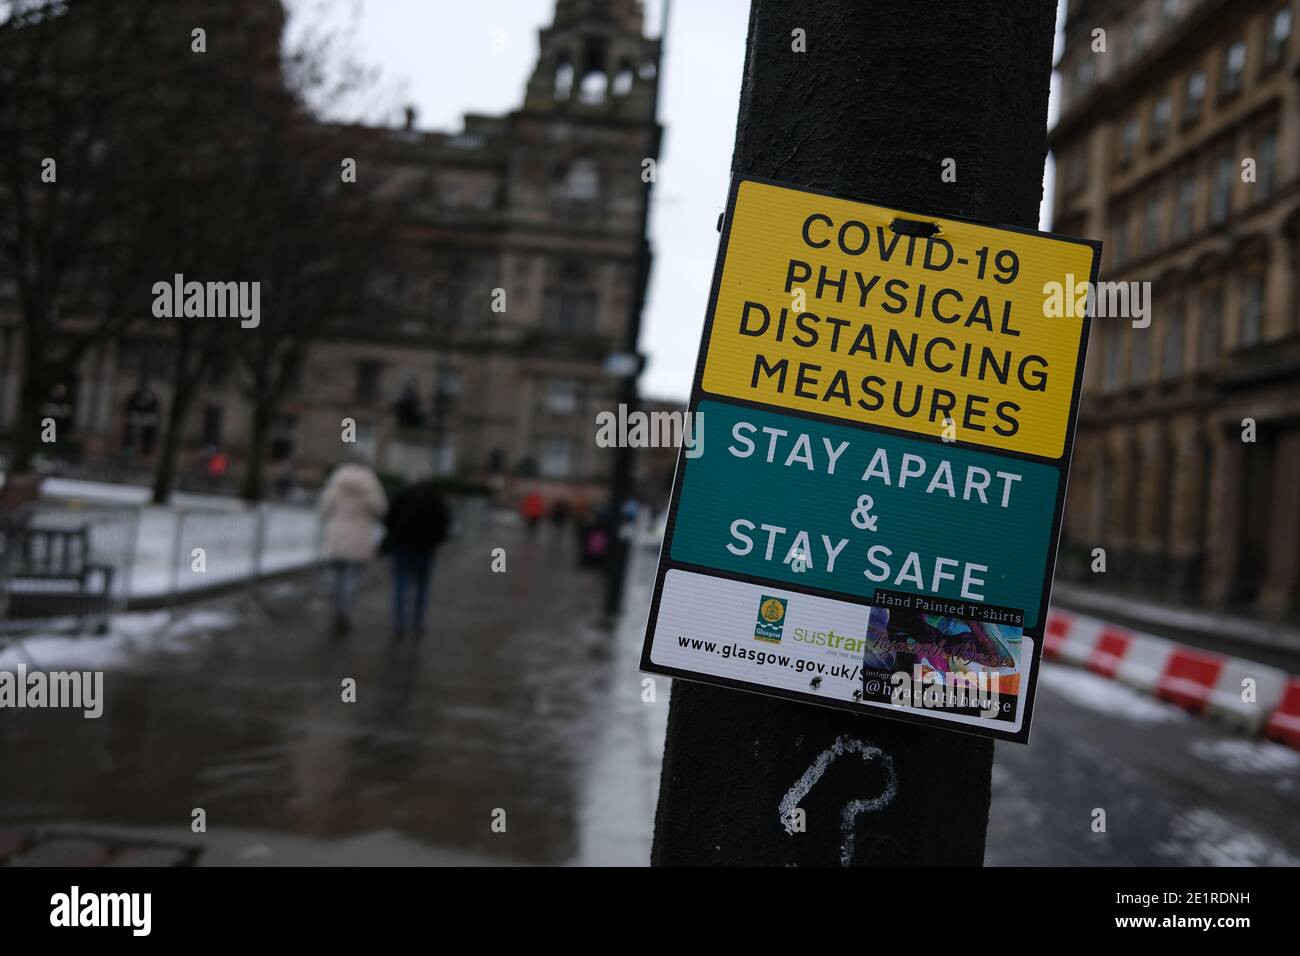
(520,700)
(517,699)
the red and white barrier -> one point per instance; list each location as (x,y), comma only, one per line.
(1249,696)
(1189,678)
(1284,723)
(1246,694)
(1109,651)
(1145,662)
(1075,640)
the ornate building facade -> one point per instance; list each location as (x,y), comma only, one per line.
(506,285)
(1178,144)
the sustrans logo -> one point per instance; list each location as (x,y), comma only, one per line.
(770,622)
(829,639)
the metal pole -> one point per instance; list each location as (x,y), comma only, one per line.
(621,481)
(884,93)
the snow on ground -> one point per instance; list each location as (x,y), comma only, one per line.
(1203,838)
(129,636)
(1259,757)
(1086,689)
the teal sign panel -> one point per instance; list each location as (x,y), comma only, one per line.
(841,509)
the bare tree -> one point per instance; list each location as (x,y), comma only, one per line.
(313,272)
(259,172)
(77,101)
(172,153)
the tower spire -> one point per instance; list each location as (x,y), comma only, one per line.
(594,59)
(626,13)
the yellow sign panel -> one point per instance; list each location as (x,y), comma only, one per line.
(826,305)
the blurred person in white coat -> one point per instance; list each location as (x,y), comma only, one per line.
(352,501)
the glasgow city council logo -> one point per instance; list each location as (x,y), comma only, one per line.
(770,622)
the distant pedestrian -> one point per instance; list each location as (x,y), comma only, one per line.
(216,466)
(532,509)
(416,524)
(352,502)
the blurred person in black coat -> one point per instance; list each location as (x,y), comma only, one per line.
(416,523)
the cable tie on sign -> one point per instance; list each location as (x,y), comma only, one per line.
(914,227)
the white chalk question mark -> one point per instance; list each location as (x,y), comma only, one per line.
(851,810)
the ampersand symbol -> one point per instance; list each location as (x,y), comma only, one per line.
(862,516)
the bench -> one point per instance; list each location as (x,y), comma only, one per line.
(48,572)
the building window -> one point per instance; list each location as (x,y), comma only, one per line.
(1279,32)
(1211,319)
(1160,116)
(1266,164)
(1111,361)
(1185,214)
(282,438)
(570,311)
(385,288)
(593,88)
(1151,232)
(1234,66)
(1138,370)
(1171,365)
(580,181)
(1076,172)
(624,79)
(1119,247)
(1252,310)
(563,79)
(1137,37)
(1128,142)
(367,382)
(1194,96)
(366,444)
(449,382)
(452,295)
(561,396)
(557,458)
(570,307)
(1083,74)
(212,420)
(1221,197)
(444,456)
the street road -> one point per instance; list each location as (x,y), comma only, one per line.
(520,700)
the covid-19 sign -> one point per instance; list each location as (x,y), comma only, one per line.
(885,404)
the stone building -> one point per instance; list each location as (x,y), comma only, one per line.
(506,285)
(1178,144)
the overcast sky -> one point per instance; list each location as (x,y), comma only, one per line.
(438,55)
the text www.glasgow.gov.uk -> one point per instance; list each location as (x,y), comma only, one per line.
(733,650)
